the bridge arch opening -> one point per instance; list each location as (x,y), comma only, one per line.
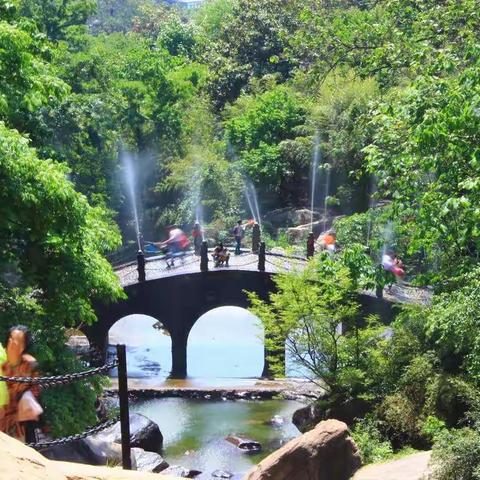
(148,345)
(226,342)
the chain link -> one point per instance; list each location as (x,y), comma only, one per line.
(72,438)
(61,379)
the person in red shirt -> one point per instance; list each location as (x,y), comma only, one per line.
(176,244)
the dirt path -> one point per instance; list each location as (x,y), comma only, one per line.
(412,467)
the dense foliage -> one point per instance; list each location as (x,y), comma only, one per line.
(386,93)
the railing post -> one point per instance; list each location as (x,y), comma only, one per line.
(204,257)
(124,413)
(261,257)
(310,245)
(141,266)
(255,237)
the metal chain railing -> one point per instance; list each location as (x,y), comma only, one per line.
(56,380)
(79,436)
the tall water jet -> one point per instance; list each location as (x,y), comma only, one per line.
(372,190)
(127,162)
(313,175)
(252,200)
(387,237)
(253,191)
(328,169)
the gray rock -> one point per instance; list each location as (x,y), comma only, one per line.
(277,421)
(77,452)
(103,450)
(181,472)
(143,434)
(222,474)
(148,461)
(306,418)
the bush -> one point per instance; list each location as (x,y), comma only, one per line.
(372,445)
(433,428)
(456,455)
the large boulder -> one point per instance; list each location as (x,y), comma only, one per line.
(306,418)
(143,434)
(290,217)
(325,453)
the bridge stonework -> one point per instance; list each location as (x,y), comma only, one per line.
(177,301)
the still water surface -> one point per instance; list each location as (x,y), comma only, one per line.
(225,349)
(194,430)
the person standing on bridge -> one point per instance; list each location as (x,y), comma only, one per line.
(197,238)
(238,232)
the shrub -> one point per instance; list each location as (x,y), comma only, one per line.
(433,428)
(456,455)
(372,445)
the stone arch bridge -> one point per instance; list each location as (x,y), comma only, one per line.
(178,296)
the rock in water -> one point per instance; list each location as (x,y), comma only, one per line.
(222,474)
(306,418)
(277,421)
(325,453)
(148,461)
(143,433)
(178,471)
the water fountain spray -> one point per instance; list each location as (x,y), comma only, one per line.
(328,168)
(252,200)
(127,162)
(313,175)
(371,205)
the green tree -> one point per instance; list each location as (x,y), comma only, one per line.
(314,316)
(58,18)
(263,26)
(255,128)
(52,265)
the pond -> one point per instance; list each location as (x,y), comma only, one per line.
(225,350)
(194,431)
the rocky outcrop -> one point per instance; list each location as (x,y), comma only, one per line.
(325,453)
(19,462)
